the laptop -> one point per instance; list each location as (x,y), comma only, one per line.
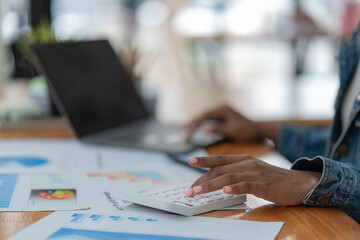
(93,91)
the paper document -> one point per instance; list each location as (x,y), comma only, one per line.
(102,172)
(79,225)
(34,155)
(40,192)
(108,186)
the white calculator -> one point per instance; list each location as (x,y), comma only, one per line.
(173,199)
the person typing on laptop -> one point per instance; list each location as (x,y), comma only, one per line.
(326,161)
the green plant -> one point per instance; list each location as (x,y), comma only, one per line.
(40,34)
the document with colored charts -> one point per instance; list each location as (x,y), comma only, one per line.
(103,171)
(34,155)
(109,185)
(94,225)
(40,192)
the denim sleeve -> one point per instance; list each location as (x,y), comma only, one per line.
(339,185)
(301,141)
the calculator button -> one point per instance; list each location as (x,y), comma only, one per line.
(184,204)
(203,200)
(183,199)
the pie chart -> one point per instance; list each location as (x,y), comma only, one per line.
(56,194)
(14,162)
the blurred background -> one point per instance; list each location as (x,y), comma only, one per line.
(270,59)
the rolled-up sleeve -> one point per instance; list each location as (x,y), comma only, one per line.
(339,185)
(301,141)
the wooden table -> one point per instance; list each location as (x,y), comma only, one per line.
(300,222)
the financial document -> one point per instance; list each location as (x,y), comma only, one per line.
(40,192)
(34,155)
(94,225)
(102,173)
(107,186)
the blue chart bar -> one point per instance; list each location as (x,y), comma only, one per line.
(132,219)
(151,220)
(77,217)
(116,218)
(135,219)
(97,218)
(7,186)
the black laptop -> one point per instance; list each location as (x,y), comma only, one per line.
(92,89)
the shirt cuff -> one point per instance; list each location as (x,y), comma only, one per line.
(336,183)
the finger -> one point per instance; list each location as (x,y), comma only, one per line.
(190,127)
(215,128)
(217,114)
(217,160)
(242,188)
(239,167)
(220,182)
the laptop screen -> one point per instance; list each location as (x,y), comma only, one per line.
(89,85)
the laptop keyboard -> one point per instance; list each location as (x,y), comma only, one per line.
(149,132)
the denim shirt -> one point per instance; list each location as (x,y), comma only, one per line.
(334,151)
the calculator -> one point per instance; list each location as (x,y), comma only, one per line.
(173,199)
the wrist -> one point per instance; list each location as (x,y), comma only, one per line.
(267,130)
(313,179)
(303,184)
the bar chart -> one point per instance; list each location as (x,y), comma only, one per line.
(98,218)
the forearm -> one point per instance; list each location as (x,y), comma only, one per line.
(268,130)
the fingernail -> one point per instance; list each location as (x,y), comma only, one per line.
(197,189)
(227,189)
(188,192)
(193,160)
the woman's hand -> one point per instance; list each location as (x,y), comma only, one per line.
(233,126)
(243,174)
